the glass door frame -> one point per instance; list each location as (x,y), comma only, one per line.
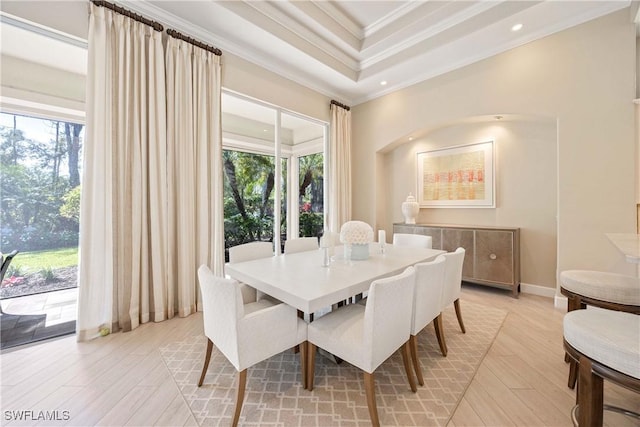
(292,154)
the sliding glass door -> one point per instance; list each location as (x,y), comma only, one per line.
(273,171)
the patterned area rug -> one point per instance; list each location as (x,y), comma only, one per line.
(275,397)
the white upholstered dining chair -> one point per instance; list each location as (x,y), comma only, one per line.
(426,306)
(301,244)
(367,335)
(247,252)
(413,240)
(246,333)
(452,287)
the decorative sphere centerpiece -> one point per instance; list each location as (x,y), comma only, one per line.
(410,209)
(356,235)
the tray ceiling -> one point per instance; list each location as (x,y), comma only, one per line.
(345,49)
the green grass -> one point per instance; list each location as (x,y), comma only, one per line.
(42,260)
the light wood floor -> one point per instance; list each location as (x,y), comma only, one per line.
(121,380)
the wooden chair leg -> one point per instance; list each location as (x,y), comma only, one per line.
(456,303)
(413,347)
(407,366)
(573,374)
(242,383)
(311,364)
(303,363)
(437,325)
(207,358)
(591,395)
(574,302)
(370,391)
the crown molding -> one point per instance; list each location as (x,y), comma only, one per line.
(340,17)
(390,18)
(294,27)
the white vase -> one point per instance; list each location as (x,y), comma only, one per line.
(410,209)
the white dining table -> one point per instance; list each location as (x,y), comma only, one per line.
(300,280)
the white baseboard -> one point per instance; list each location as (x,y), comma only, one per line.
(560,301)
(542,291)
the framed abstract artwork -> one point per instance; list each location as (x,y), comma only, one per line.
(457,177)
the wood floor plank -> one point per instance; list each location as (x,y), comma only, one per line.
(508,401)
(126,407)
(486,407)
(162,397)
(546,411)
(465,416)
(556,389)
(125,377)
(176,413)
(58,401)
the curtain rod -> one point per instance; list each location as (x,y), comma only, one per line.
(346,107)
(122,11)
(177,35)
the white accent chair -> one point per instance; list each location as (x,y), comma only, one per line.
(301,244)
(246,333)
(602,289)
(452,287)
(247,252)
(413,240)
(605,344)
(426,306)
(367,335)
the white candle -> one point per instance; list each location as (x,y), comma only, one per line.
(382,238)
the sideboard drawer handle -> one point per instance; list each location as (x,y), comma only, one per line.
(492,256)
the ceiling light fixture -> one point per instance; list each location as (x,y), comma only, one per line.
(383,83)
(410,138)
(516,27)
(498,117)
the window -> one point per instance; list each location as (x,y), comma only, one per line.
(256,138)
(311,195)
(40,174)
(249,200)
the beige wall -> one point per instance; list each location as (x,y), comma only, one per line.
(582,78)
(251,80)
(525,196)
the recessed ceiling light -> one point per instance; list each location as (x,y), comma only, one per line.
(410,138)
(384,82)
(516,27)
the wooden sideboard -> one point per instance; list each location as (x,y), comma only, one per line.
(492,254)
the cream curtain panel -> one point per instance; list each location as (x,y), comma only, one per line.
(339,168)
(151,207)
(194,137)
